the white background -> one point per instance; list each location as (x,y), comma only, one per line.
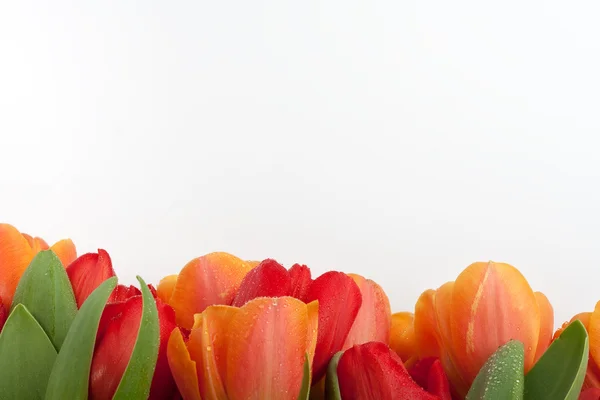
(401,140)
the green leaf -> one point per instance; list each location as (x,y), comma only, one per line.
(70,375)
(560,372)
(305,389)
(332,387)
(26,357)
(46,291)
(137,378)
(501,377)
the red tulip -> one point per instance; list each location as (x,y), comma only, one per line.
(87,272)
(115,340)
(374,371)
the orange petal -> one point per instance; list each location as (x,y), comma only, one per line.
(374,318)
(182,367)
(267,345)
(165,288)
(594,334)
(492,303)
(15,256)
(402,335)
(428,343)
(546,324)
(206,281)
(37,244)
(313,329)
(65,250)
(208,347)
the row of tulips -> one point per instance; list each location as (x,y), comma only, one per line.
(228,328)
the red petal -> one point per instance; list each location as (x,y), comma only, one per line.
(268,279)
(88,272)
(339,301)
(114,347)
(300,280)
(373,371)
(122,293)
(163,384)
(3,315)
(437,383)
(590,394)
(430,375)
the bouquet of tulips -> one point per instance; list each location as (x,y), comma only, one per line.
(228,328)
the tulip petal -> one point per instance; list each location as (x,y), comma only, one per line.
(166,287)
(313,330)
(374,371)
(593,329)
(426,334)
(373,321)
(208,348)
(402,335)
(269,279)
(163,384)
(259,364)
(590,394)
(546,324)
(339,301)
(66,251)
(123,293)
(429,374)
(3,315)
(15,256)
(114,348)
(300,281)
(205,281)
(443,316)
(182,367)
(492,303)
(37,244)
(87,273)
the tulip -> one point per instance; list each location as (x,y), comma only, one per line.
(208,280)
(464,322)
(339,299)
(402,335)
(116,336)
(374,371)
(16,252)
(256,351)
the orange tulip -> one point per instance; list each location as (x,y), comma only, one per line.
(464,322)
(16,252)
(231,352)
(205,281)
(402,335)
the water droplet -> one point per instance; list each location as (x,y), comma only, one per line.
(208,348)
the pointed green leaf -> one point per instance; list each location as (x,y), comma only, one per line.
(306,378)
(332,386)
(560,372)
(26,357)
(137,378)
(46,291)
(501,377)
(70,375)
